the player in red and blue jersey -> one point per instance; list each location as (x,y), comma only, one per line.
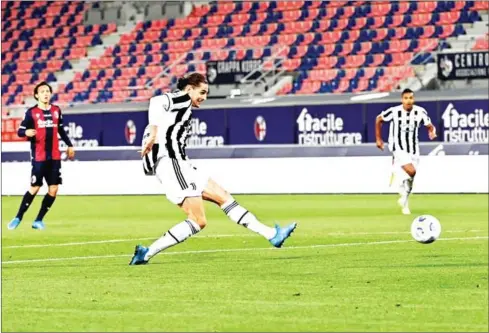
(41,125)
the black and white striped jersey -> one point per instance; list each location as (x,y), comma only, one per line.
(150,160)
(404,127)
(171,113)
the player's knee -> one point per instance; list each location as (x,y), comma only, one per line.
(199,219)
(411,172)
(34,189)
(53,190)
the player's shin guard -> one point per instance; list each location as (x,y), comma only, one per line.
(175,235)
(26,202)
(47,202)
(243,217)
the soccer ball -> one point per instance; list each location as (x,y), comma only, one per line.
(426,229)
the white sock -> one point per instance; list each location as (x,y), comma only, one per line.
(405,189)
(175,235)
(243,217)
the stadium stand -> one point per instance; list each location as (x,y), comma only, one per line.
(327,47)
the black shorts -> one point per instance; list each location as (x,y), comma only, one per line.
(49,170)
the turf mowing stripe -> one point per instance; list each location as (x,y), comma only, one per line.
(240,250)
(215,236)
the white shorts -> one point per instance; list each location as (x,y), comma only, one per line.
(402,158)
(180,179)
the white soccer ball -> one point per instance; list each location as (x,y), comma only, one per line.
(426,229)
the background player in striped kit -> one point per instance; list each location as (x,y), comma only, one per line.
(187,187)
(41,125)
(405,120)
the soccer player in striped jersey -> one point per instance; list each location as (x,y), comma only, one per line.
(405,120)
(185,185)
(41,125)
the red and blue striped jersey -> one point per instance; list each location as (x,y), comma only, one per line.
(47,123)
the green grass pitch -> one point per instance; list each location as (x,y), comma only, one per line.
(351,265)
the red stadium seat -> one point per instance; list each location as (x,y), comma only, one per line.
(214,20)
(362,85)
(54,65)
(263,6)
(301,51)
(159,25)
(354,61)
(199,11)
(280,50)
(401,59)
(403,7)
(337,3)
(195,33)
(287,39)
(271,28)
(148,36)
(379,9)
(381,34)
(427,45)
(369,72)
(260,17)
(420,20)
(346,49)
(291,64)
(366,47)
(400,33)
(312,14)
(309,87)
(360,23)
(330,37)
(379,22)
(426,6)
(481,43)
(341,24)
(179,70)
(291,15)
(480,5)
(428,31)
(343,86)
(327,62)
(224,8)
(329,49)
(257,53)
(449,18)
(26,55)
(239,19)
(397,46)
(447,31)
(219,54)
(128,38)
(378,60)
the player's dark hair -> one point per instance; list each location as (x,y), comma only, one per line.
(407,91)
(194,80)
(39,85)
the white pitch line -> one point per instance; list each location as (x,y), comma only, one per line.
(239,250)
(213,236)
(111,241)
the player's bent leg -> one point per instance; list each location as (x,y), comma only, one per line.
(406,186)
(46,205)
(24,206)
(215,193)
(196,221)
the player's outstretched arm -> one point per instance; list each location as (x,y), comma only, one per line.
(431,131)
(64,136)
(153,131)
(378,132)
